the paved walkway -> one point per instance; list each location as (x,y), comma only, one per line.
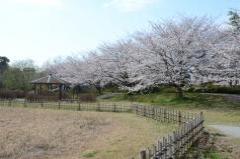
(232,97)
(233,131)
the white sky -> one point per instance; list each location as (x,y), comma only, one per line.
(44,29)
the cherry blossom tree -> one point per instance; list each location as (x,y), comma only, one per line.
(178,53)
(173,53)
(115,59)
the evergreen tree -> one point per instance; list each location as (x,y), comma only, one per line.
(234,18)
(3,67)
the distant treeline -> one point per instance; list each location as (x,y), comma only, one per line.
(18,75)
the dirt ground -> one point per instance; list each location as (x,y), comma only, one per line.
(46,134)
(215,146)
(53,134)
(226,147)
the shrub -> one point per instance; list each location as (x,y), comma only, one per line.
(35,97)
(216,89)
(88,98)
(228,90)
(10,94)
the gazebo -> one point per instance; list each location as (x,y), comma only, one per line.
(50,81)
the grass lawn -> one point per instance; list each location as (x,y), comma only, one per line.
(60,134)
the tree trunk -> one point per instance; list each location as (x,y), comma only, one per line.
(100,91)
(97,85)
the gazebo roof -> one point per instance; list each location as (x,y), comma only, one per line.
(50,79)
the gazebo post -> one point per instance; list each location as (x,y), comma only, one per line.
(35,89)
(40,89)
(60,92)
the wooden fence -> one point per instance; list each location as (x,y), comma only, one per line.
(66,105)
(174,145)
(163,114)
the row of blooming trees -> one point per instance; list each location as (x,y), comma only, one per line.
(177,53)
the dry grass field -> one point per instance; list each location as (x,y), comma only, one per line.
(57,134)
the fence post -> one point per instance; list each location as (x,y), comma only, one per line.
(174,147)
(136,110)
(79,106)
(149,153)
(98,108)
(201,116)
(114,107)
(164,115)
(144,110)
(201,120)
(153,113)
(171,145)
(179,118)
(143,154)
(154,150)
(9,103)
(25,103)
(59,104)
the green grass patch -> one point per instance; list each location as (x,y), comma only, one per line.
(90,154)
(194,100)
(213,155)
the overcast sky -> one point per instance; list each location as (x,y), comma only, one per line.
(44,29)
